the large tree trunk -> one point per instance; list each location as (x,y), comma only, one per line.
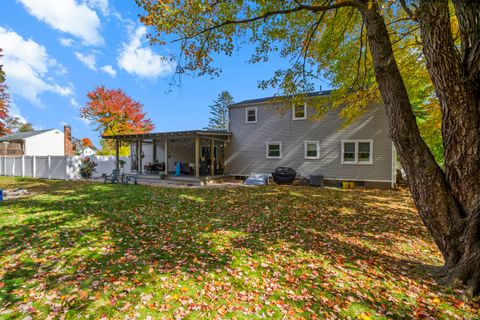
(455,75)
(448,208)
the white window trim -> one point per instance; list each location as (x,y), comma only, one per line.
(266,150)
(356,152)
(318,150)
(304,112)
(246,114)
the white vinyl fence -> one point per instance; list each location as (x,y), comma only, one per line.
(55,167)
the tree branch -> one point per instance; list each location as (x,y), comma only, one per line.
(314,9)
(409,11)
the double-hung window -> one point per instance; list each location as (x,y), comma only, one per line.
(312,150)
(274,150)
(251,115)
(299,112)
(357,152)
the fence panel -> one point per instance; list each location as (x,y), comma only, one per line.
(28,166)
(17,166)
(105,164)
(41,165)
(9,166)
(57,167)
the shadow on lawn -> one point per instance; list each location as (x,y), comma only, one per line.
(92,236)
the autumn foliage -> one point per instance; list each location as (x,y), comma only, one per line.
(115,112)
(4,100)
(87,143)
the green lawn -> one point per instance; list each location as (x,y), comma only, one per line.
(80,250)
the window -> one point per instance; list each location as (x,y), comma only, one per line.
(357,152)
(299,112)
(364,152)
(312,149)
(251,115)
(274,150)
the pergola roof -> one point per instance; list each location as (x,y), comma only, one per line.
(177,134)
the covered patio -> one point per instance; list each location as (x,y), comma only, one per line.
(199,153)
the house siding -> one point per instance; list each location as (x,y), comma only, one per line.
(246,151)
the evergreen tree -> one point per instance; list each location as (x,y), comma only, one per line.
(219,111)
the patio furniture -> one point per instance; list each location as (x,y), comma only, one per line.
(115,176)
(184,168)
(154,167)
(130,177)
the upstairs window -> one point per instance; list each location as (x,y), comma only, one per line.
(299,112)
(312,149)
(357,152)
(251,115)
(274,150)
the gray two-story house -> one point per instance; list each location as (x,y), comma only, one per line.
(267,134)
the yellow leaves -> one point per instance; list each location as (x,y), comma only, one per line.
(436,300)
(364,316)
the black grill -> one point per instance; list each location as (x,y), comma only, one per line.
(284,175)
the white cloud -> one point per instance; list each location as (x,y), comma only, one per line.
(87,59)
(142,61)
(74,103)
(66,42)
(67,16)
(27,65)
(109,70)
(101,5)
(15,112)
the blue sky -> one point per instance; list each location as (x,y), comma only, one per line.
(56,51)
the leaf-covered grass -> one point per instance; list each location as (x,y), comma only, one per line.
(80,250)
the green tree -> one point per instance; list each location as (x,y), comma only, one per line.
(16,124)
(401,52)
(26,127)
(219,111)
(108,149)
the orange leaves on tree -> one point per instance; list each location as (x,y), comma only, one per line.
(115,112)
(87,143)
(4,101)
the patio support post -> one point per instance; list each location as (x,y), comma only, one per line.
(212,157)
(140,149)
(136,154)
(166,156)
(197,156)
(154,147)
(117,154)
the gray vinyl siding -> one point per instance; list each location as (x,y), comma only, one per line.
(246,152)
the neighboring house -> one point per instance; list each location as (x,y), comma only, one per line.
(88,152)
(265,134)
(50,142)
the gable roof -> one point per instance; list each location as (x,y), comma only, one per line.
(22,135)
(267,99)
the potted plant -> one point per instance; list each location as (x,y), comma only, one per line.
(122,163)
(162,175)
(87,168)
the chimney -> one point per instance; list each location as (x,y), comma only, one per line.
(67,139)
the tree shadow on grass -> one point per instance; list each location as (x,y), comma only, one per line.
(94,242)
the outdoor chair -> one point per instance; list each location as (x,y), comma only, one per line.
(130,177)
(115,176)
